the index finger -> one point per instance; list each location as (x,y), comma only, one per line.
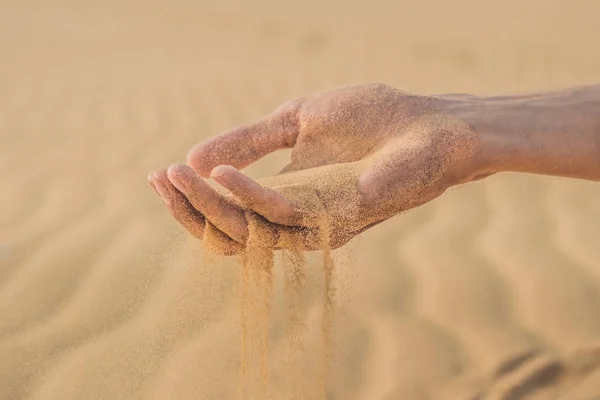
(244,145)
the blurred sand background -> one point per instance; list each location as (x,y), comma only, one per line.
(491,291)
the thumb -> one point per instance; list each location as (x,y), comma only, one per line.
(402,175)
(246,144)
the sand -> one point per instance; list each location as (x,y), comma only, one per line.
(492,290)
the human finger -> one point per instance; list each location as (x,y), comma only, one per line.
(177,204)
(226,216)
(265,201)
(244,145)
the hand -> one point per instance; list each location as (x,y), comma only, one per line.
(361,155)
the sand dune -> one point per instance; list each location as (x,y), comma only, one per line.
(490,292)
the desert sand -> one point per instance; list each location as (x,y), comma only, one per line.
(490,292)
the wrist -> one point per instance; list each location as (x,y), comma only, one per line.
(551,133)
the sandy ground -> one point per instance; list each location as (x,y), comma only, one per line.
(492,291)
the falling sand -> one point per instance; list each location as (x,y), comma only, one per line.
(257,262)
(256,285)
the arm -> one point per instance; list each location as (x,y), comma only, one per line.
(554,133)
(362,154)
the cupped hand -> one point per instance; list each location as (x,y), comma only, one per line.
(360,155)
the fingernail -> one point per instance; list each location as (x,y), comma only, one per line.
(151,182)
(180,184)
(163,192)
(220,178)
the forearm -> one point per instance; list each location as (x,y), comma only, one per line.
(554,133)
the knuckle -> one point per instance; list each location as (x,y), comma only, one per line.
(290,108)
(285,120)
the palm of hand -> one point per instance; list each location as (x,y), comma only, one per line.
(363,153)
